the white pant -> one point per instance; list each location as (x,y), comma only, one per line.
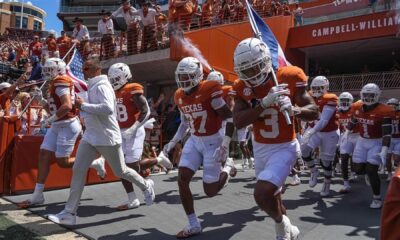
(348,146)
(273,162)
(133,147)
(84,157)
(395,146)
(326,141)
(242,134)
(367,150)
(60,138)
(200,150)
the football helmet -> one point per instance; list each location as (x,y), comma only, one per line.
(394,102)
(319,86)
(216,76)
(345,101)
(52,68)
(370,94)
(189,73)
(252,61)
(118,75)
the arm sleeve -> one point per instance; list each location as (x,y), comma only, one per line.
(104,108)
(183,127)
(60,91)
(327,113)
(217,103)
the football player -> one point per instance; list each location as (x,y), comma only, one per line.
(395,144)
(322,133)
(347,140)
(132,113)
(374,121)
(260,103)
(202,110)
(60,138)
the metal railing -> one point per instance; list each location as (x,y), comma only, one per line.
(87,9)
(353,82)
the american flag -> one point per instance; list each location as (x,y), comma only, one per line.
(75,71)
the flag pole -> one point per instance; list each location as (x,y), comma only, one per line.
(257,33)
(44,83)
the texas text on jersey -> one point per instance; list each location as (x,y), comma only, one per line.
(127,112)
(271,127)
(55,101)
(328,99)
(370,122)
(197,108)
(344,118)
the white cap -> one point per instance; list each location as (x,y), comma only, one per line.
(4,85)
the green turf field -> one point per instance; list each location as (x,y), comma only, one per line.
(10,230)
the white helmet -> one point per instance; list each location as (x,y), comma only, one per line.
(52,68)
(252,61)
(394,102)
(118,75)
(216,76)
(319,86)
(345,101)
(370,94)
(189,73)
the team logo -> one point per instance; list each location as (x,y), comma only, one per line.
(180,101)
(247,92)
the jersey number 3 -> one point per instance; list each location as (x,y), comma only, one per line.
(272,122)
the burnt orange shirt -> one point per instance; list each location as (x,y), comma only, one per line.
(51,44)
(55,101)
(64,43)
(197,108)
(344,118)
(127,111)
(271,127)
(370,122)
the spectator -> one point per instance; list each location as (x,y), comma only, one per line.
(161,20)
(226,11)
(64,44)
(275,5)
(286,9)
(180,13)
(298,15)
(35,48)
(207,13)
(131,20)
(7,92)
(106,27)
(11,55)
(148,19)
(388,4)
(239,11)
(51,43)
(36,73)
(81,36)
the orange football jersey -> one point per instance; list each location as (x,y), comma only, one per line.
(196,107)
(345,118)
(328,99)
(127,111)
(370,122)
(54,101)
(271,127)
(396,125)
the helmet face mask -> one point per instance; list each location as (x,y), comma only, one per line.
(370,94)
(118,75)
(252,60)
(319,86)
(189,73)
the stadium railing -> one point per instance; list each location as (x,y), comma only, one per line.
(351,82)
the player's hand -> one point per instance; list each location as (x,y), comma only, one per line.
(272,95)
(168,147)
(383,154)
(78,101)
(221,154)
(307,135)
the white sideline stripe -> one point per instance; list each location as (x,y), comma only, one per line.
(41,226)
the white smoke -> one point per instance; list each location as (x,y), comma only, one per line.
(189,47)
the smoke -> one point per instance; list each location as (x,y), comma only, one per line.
(190,49)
